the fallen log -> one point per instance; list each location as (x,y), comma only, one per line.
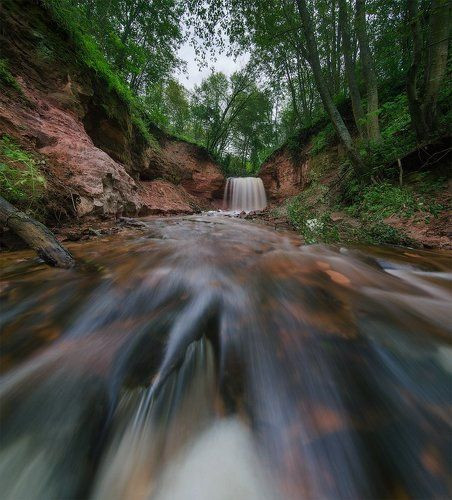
(36,235)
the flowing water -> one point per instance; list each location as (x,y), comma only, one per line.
(245,194)
(206,358)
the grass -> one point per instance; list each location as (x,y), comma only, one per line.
(316,225)
(21,180)
(363,220)
(365,203)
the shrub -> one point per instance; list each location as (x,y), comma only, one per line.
(380,233)
(383,200)
(20,178)
(323,139)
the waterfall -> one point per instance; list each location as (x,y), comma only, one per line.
(245,194)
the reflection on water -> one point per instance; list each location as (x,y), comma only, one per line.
(208,358)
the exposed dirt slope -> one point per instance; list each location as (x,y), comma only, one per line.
(287,173)
(284,175)
(96,160)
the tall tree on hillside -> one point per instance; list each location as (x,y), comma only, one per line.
(423,98)
(177,107)
(370,78)
(322,86)
(355,97)
(139,38)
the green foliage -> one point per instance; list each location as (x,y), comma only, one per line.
(397,138)
(138,39)
(6,78)
(322,140)
(379,233)
(21,180)
(89,55)
(316,226)
(382,200)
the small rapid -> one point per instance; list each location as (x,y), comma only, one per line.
(207,358)
(244,194)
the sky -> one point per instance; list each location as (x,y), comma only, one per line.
(194,74)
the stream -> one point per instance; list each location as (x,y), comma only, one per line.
(209,358)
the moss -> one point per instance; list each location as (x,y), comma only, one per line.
(6,78)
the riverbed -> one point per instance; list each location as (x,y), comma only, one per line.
(205,357)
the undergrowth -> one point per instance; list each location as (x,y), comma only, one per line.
(21,179)
(348,209)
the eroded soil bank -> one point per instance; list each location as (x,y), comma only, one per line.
(100,158)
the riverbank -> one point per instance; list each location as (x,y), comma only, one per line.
(405,202)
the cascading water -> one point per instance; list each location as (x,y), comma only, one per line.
(245,194)
(206,358)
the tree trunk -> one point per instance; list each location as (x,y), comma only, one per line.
(330,107)
(414,102)
(438,44)
(358,112)
(293,94)
(36,235)
(373,127)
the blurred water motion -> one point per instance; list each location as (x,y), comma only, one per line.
(244,193)
(208,358)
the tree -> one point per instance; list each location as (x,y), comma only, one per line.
(177,107)
(373,126)
(36,235)
(314,60)
(423,99)
(138,38)
(358,112)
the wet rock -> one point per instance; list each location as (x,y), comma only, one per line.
(73,236)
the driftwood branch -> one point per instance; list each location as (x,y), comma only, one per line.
(36,235)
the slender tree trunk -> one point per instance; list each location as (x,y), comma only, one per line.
(373,127)
(292,93)
(330,107)
(438,45)
(303,91)
(334,51)
(36,235)
(358,112)
(414,102)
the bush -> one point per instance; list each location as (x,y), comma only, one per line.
(323,139)
(383,200)
(314,226)
(379,201)
(380,233)
(20,178)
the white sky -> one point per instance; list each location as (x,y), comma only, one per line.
(194,74)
